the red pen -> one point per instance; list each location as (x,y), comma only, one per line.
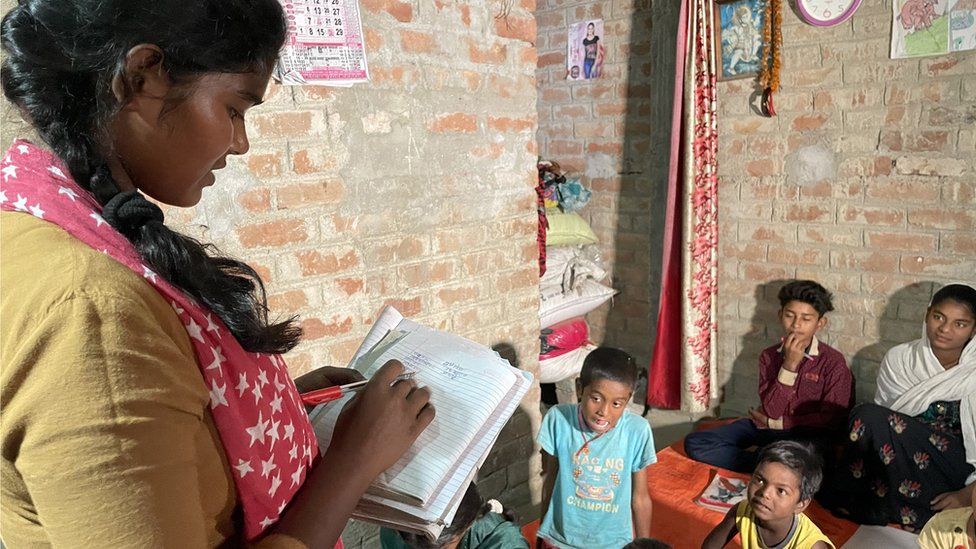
(321,396)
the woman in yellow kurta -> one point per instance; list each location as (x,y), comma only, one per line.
(144,401)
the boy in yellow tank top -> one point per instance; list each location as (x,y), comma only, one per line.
(771,517)
(952,528)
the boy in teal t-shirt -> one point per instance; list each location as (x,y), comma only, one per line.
(594,458)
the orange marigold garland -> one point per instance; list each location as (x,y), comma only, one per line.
(767,50)
(770,62)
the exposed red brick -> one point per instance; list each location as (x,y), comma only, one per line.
(570,111)
(451,296)
(289,302)
(516,26)
(942,218)
(523,278)
(901,241)
(872,216)
(313,328)
(959,244)
(329,191)
(374,39)
(760,168)
(514,125)
(401,11)
(282,124)
(494,54)
(762,272)
(611,108)
(864,261)
(408,307)
(307,161)
(796,256)
(264,272)
(454,122)
(350,285)
(910,190)
(798,212)
(416,41)
(255,200)
(264,165)
(273,233)
(551,59)
(809,122)
(314,262)
(940,66)
(318,93)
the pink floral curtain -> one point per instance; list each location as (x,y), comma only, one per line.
(682,372)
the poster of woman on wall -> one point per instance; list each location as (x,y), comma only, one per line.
(585,55)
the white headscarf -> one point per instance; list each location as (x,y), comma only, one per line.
(911,379)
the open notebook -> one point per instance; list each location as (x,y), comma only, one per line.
(474,391)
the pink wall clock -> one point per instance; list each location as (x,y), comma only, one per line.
(826,13)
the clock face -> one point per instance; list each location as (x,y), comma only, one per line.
(825,13)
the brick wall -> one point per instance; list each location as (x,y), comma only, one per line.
(415,190)
(611,131)
(891,216)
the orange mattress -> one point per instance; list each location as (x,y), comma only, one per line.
(674,483)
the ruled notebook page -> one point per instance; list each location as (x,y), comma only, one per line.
(467,381)
(465,387)
(442,507)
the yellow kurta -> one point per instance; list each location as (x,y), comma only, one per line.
(947,529)
(107,437)
(805,536)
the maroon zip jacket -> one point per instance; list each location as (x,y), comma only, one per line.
(819,395)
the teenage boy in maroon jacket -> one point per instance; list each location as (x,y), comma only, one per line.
(805,387)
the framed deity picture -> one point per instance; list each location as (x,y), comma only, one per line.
(738,37)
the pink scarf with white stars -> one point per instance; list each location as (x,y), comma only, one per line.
(257,410)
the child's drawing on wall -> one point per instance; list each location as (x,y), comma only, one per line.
(932,27)
(962,25)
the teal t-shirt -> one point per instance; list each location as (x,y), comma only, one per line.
(590,506)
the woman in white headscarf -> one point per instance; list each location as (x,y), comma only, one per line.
(913,452)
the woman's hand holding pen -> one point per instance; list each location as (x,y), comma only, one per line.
(327,376)
(381,422)
(377,426)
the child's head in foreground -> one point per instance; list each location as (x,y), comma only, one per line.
(950,321)
(471,508)
(647,543)
(605,386)
(803,306)
(785,480)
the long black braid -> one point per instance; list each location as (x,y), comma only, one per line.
(61,59)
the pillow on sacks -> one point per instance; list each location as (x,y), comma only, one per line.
(567,229)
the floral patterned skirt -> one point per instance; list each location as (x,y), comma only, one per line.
(894,465)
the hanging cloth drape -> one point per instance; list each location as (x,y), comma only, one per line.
(682,370)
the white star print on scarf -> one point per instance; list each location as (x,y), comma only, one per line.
(249,423)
